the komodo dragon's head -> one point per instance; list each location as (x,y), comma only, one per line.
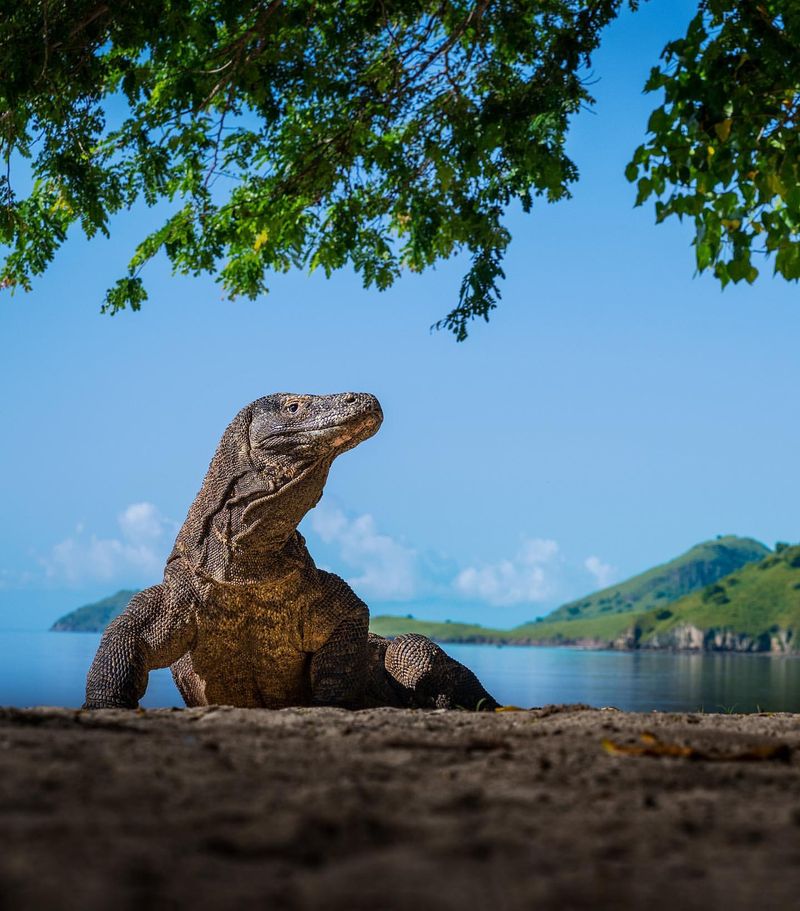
(269,470)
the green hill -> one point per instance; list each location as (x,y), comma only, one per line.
(604,619)
(605,631)
(702,565)
(441,632)
(754,609)
(94,618)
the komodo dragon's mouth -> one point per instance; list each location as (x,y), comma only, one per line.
(355,430)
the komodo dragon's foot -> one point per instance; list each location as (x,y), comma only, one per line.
(430,678)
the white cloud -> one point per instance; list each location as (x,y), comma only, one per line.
(528,577)
(141,523)
(138,553)
(385,569)
(377,565)
(604,574)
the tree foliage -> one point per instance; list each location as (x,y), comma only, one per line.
(308,133)
(380,134)
(724,148)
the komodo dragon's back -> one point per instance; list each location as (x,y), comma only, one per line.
(243,615)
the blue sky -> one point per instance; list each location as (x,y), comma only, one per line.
(614,412)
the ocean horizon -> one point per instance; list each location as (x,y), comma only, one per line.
(41,667)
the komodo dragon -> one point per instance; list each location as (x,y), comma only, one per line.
(243,615)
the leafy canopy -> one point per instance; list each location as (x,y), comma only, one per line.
(724,148)
(305,133)
(383,134)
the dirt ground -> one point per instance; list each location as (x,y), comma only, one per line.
(390,809)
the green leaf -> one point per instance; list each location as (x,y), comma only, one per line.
(128,291)
(658,122)
(787,261)
(644,189)
(704,255)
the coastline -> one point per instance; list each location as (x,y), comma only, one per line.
(329,810)
(682,639)
(733,645)
(606,647)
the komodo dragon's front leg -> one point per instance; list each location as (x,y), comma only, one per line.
(339,667)
(335,632)
(154,630)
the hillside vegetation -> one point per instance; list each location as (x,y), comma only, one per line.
(94,618)
(754,609)
(703,564)
(433,629)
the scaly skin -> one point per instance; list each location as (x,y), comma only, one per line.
(243,616)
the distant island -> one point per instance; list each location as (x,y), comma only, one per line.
(728,594)
(94,618)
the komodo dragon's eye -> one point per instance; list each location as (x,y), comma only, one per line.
(293,407)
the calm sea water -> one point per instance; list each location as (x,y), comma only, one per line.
(42,668)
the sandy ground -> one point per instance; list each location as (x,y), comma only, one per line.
(389,809)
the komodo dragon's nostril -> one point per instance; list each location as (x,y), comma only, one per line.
(350,398)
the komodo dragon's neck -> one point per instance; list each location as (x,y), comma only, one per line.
(254,537)
(282,568)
